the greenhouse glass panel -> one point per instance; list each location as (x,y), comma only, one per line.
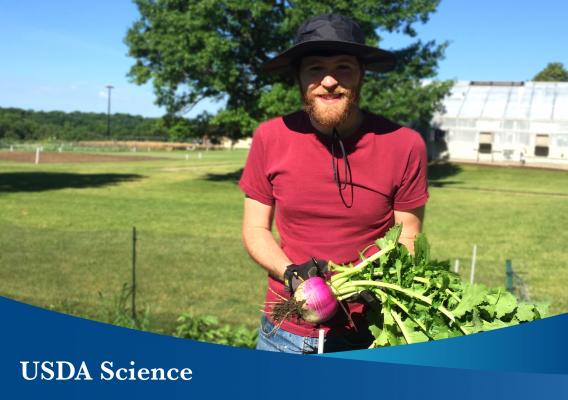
(509,124)
(561,141)
(466,123)
(496,103)
(452,107)
(504,138)
(474,102)
(562,127)
(523,125)
(561,103)
(449,122)
(542,102)
(523,138)
(453,102)
(463,136)
(519,103)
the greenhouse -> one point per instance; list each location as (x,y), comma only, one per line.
(512,122)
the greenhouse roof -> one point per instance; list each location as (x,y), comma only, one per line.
(538,101)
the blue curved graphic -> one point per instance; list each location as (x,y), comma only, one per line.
(29,333)
(540,346)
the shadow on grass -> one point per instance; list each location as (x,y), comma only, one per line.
(438,172)
(42,181)
(229,176)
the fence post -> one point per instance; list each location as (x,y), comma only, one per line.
(509,272)
(134,273)
(473,256)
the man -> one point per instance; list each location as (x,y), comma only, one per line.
(333,176)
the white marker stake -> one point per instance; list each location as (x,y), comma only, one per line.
(11,148)
(37,155)
(199,155)
(473,264)
(457,266)
(187,156)
(320,341)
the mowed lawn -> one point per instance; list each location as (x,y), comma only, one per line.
(66,233)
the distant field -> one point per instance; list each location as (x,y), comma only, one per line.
(51,157)
(65,233)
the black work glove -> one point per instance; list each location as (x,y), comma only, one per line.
(367,298)
(296,274)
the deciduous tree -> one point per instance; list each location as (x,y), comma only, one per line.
(553,72)
(196,49)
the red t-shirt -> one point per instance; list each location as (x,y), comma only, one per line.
(289,166)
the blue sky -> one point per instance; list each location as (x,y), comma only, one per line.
(60,54)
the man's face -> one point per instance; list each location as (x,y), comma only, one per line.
(330,87)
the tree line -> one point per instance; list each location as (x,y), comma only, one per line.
(20,125)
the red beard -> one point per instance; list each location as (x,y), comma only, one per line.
(331,115)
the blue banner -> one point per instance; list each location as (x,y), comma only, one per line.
(44,354)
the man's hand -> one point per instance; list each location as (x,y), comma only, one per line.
(296,274)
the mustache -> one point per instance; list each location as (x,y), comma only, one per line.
(334,93)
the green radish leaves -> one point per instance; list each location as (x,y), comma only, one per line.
(423,300)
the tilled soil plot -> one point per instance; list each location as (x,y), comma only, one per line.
(55,157)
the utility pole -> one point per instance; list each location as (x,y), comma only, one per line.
(109,87)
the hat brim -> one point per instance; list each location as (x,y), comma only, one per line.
(374,59)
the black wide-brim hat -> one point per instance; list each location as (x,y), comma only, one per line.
(330,34)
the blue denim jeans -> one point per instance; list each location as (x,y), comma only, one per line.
(272,339)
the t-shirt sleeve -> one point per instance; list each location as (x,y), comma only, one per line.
(254,181)
(413,189)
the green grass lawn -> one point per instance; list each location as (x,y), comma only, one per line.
(65,233)
(509,213)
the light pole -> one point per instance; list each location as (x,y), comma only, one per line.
(109,87)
